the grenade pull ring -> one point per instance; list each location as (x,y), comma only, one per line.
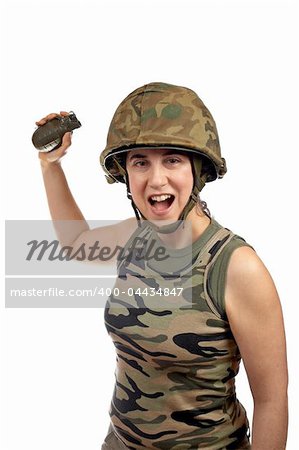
(48,137)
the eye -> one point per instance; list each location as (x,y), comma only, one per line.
(173,160)
(140,163)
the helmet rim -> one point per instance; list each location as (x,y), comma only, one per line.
(215,170)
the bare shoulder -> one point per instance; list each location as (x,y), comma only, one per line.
(112,237)
(244,258)
(125,229)
(255,316)
(249,282)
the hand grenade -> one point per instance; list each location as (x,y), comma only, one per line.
(49,136)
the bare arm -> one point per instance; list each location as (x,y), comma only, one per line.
(70,225)
(67,218)
(255,315)
(61,202)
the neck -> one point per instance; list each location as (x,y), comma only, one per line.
(200,222)
(195,224)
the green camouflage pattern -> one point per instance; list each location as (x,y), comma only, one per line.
(161,114)
(175,365)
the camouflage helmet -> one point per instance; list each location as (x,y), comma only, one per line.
(162,115)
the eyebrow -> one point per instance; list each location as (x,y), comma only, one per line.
(167,153)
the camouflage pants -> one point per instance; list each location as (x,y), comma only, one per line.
(112,442)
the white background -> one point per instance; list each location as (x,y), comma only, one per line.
(242,60)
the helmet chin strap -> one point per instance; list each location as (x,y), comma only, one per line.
(199,183)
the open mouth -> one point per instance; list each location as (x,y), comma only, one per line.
(162,204)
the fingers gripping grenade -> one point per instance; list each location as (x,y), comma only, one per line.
(49,136)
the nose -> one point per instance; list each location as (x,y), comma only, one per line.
(157,176)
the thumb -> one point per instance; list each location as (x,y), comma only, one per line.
(66,140)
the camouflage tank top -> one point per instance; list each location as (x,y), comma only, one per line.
(176,357)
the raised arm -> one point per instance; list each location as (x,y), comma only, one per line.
(70,225)
(61,202)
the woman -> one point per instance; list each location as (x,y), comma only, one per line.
(177,357)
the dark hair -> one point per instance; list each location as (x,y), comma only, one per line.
(202,206)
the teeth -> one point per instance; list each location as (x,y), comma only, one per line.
(160,198)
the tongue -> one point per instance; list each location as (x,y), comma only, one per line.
(162,206)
